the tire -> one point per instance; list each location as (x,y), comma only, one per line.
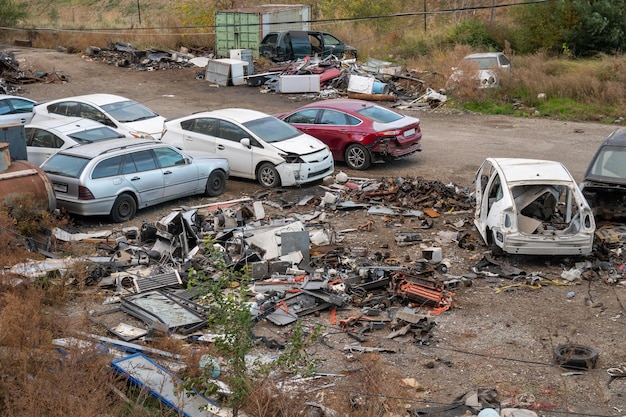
(573,356)
(268,176)
(124,208)
(358,157)
(215,184)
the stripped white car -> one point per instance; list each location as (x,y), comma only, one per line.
(532,207)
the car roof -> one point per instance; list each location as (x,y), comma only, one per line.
(3,96)
(91,150)
(240,115)
(67,125)
(483,55)
(531,170)
(343,103)
(98,99)
(615,138)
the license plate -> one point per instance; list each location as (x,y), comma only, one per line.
(62,188)
(409,132)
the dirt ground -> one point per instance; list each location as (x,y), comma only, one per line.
(501,340)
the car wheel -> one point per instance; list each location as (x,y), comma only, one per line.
(268,176)
(216,184)
(573,356)
(358,157)
(124,208)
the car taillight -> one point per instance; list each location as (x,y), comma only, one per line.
(84,193)
(389,133)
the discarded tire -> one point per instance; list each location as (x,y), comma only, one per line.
(573,356)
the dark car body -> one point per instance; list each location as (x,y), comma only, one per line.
(604,184)
(290,45)
(358,132)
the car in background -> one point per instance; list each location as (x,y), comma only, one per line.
(485,67)
(257,146)
(111,110)
(604,183)
(358,132)
(119,176)
(531,207)
(15,109)
(47,137)
(290,45)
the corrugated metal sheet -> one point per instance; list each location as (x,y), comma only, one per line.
(244,28)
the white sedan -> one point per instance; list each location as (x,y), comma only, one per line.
(258,146)
(47,137)
(111,110)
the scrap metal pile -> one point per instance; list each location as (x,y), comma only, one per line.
(124,54)
(374,80)
(12,76)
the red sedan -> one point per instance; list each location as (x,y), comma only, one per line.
(358,132)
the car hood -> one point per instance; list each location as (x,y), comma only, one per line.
(153,126)
(302,144)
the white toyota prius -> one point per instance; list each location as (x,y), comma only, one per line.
(257,146)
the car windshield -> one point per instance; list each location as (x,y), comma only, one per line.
(486,62)
(128,111)
(65,165)
(379,114)
(92,135)
(610,162)
(271,130)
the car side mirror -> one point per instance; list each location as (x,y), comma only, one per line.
(245,142)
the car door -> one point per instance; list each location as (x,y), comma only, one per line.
(180,178)
(15,110)
(40,144)
(199,134)
(489,193)
(242,159)
(141,172)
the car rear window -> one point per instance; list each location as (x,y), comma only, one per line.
(92,135)
(65,165)
(379,114)
(271,129)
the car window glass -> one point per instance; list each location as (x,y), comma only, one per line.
(231,131)
(380,114)
(304,116)
(128,111)
(128,165)
(495,192)
(331,40)
(90,112)
(4,107)
(40,138)
(332,117)
(144,160)
(107,168)
(202,125)
(93,135)
(65,108)
(168,157)
(504,61)
(21,106)
(272,38)
(270,129)
(65,165)
(353,121)
(611,162)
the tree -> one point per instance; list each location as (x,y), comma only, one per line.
(11,13)
(584,27)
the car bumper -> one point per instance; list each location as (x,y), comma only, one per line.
(297,174)
(580,244)
(99,207)
(390,150)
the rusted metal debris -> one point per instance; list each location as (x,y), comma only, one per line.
(124,54)
(12,76)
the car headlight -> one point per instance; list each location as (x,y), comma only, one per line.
(292,158)
(141,135)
